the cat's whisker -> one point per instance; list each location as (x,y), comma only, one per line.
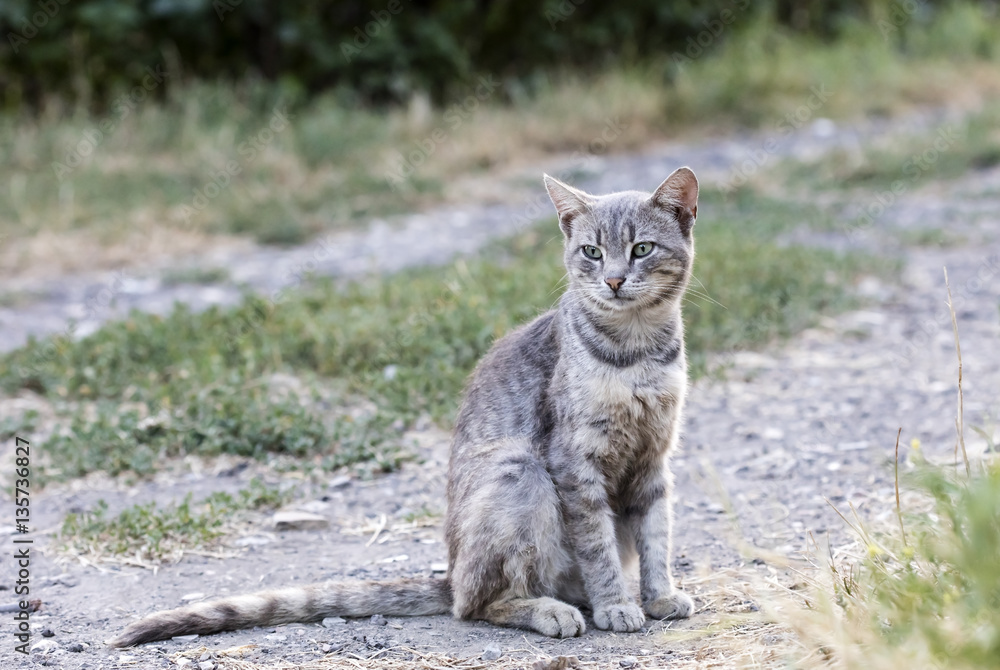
(705,297)
(704,294)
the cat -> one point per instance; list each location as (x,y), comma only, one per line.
(558,477)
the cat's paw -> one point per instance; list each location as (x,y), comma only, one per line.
(558,619)
(624,618)
(678,605)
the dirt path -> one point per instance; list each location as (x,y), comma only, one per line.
(42,307)
(812,419)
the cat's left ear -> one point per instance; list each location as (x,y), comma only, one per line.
(678,195)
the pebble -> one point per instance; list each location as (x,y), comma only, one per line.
(340,482)
(379,620)
(192,596)
(207,656)
(439,567)
(332,621)
(76,648)
(47,632)
(206,665)
(181,662)
(276,637)
(45,646)
(629,662)
(314,506)
(491,653)
(396,559)
(299,521)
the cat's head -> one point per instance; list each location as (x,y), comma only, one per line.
(629,250)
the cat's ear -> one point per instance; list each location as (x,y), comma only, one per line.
(678,195)
(570,202)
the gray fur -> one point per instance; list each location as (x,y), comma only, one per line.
(559,474)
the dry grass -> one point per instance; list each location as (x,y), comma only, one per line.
(124,206)
(919,596)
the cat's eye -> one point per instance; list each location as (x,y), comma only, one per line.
(590,251)
(642,249)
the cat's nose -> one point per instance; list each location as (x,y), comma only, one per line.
(614,282)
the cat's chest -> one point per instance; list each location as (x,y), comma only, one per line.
(629,403)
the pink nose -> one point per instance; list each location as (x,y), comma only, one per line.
(614,282)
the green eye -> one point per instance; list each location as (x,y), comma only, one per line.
(642,249)
(591,251)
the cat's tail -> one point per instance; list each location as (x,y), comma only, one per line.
(401,597)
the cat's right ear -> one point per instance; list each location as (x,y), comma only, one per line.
(570,202)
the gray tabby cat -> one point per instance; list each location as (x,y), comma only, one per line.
(559,473)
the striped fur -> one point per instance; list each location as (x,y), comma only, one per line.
(558,479)
(402,597)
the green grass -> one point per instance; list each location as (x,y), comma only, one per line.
(151,386)
(327,166)
(930,599)
(946,151)
(195,275)
(930,237)
(149,533)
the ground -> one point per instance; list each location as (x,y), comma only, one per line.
(771,444)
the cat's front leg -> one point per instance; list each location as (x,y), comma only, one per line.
(592,531)
(649,517)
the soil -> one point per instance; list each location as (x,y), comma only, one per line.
(769,444)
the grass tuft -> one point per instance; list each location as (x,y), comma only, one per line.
(927,600)
(149,534)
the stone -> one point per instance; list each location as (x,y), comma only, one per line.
(379,620)
(332,621)
(293,520)
(629,662)
(491,653)
(340,481)
(45,646)
(314,506)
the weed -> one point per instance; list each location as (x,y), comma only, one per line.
(150,533)
(929,599)
(195,275)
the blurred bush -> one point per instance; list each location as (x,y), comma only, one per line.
(374,51)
